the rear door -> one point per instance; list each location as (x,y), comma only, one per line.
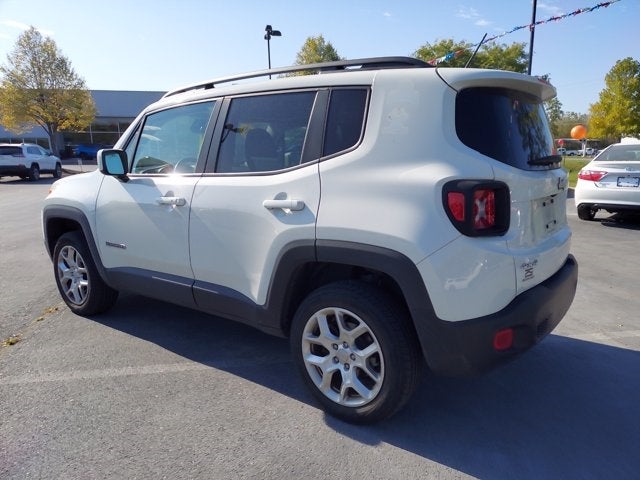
(39,156)
(259,197)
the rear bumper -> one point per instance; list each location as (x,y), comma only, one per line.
(13,170)
(466,347)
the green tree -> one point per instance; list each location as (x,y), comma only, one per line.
(40,87)
(316,50)
(617,112)
(490,55)
(554,112)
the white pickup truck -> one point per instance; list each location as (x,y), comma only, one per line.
(570,153)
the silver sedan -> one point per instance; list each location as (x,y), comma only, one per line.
(611,181)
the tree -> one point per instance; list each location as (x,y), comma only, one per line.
(316,50)
(554,111)
(617,112)
(490,55)
(40,87)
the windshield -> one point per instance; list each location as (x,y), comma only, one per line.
(507,125)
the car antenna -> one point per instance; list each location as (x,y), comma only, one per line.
(476,51)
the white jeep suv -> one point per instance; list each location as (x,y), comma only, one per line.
(383,214)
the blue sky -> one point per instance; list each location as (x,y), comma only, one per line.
(164,44)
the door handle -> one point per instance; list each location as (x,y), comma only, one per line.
(176,201)
(283,204)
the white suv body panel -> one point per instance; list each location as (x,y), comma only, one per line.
(134,230)
(236,240)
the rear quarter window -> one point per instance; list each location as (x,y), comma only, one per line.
(10,151)
(507,125)
(345,119)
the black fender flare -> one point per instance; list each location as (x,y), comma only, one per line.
(391,263)
(51,215)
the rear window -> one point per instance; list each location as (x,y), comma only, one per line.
(10,151)
(620,153)
(506,125)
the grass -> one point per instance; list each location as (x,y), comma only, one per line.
(573,165)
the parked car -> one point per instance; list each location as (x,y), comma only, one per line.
(385,215)
(568,153)
(611,181)
(88,151)
(27,160)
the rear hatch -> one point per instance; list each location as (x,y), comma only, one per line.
(501,115)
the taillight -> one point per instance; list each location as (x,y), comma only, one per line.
(478,207)
(484,209)
(591,175)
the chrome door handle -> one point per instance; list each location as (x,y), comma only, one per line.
(177,201)
(283,204)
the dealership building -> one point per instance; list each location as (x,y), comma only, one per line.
(115,112)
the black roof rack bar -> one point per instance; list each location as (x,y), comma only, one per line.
(363,63)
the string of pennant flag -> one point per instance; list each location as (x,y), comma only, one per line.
(555,18)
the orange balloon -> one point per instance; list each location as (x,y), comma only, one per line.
(578,132)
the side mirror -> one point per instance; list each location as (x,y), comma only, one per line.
(113,162)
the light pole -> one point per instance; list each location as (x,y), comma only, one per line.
(267,36)
(532,28)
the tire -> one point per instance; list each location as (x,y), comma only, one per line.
(356,351)
(34,172)
(77,278)
(57,171)
(585,212)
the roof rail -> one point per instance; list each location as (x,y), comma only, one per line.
(341,65)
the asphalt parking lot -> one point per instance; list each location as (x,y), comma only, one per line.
(151,390)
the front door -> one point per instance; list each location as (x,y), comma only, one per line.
(143,224)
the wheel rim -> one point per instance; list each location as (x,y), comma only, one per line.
(343,357)
(73,275)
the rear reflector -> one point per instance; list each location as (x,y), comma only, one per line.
(503,339)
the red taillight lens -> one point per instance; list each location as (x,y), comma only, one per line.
(484,209)
(455,202)
(478,207)
(591,175)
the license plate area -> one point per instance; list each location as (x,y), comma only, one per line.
(546,216)
(628,181)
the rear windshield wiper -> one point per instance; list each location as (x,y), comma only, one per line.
(548,160)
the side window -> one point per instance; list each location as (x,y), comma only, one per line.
(33,151)
(170,140)
(345,120)
(264,133)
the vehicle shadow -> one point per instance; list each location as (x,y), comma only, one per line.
(567,409)
(626,220)
(17,181)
